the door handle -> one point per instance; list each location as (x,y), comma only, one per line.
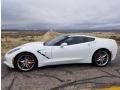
(89,44)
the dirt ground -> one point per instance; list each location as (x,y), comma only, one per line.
(62,77)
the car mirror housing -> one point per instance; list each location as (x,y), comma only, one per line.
(63,44)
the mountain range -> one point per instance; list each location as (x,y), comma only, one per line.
(62,27)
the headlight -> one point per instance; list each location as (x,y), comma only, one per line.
(13,50)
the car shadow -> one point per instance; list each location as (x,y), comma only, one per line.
(66,66)
(5,69)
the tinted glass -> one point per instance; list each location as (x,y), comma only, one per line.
(55,41)
(77,40)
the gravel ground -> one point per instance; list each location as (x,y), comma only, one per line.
(62,77)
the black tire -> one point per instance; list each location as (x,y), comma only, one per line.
(28,60)
(101,58)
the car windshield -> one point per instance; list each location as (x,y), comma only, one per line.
(55,40)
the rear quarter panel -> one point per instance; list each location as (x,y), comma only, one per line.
(109,44)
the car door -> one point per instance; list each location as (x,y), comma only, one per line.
(76,50)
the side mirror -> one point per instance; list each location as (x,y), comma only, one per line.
(63,44)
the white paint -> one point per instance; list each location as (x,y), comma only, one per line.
(77,53)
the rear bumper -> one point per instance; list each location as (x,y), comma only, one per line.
(114,51)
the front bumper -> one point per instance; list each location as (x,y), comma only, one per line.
(8,60)
(8,64)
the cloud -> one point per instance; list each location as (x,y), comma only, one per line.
(60,11)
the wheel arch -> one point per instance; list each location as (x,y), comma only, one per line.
(22,53)
(109,52)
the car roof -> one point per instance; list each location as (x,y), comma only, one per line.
(69,35)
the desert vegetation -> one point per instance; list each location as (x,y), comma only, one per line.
(12,39)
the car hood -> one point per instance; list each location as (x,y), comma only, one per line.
(28,46)
(33,44)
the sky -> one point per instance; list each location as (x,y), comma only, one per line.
(94,13)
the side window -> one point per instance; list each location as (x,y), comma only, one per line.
(73,40)
(90,39)
(77,40)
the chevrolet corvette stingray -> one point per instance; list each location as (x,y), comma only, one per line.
(64,49)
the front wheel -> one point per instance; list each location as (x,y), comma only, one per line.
(101,58)
(25,62)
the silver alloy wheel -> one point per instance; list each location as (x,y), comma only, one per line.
(102,58)
(25,62)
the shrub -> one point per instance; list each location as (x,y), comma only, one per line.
(115,38)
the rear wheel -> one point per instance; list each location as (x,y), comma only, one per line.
(101,58)
(25,62)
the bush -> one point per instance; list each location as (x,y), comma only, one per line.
(115,38)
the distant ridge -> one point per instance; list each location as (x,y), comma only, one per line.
(73,27)
(61,30)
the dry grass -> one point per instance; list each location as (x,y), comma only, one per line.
(13,39)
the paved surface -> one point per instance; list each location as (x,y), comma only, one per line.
(62,77)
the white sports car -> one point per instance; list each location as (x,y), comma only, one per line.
(65,49)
